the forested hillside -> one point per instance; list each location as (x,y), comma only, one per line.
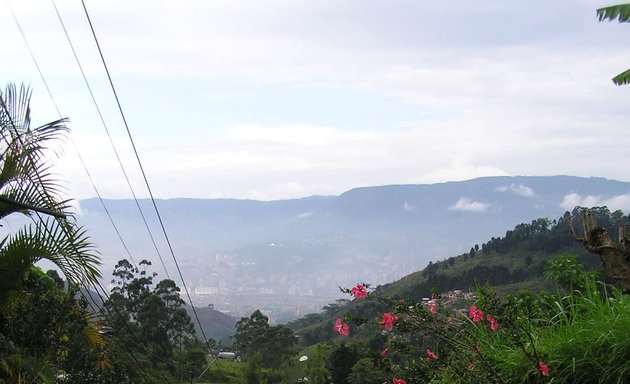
(508,263)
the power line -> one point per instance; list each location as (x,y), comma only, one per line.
(90,302)
(76,148)
(62,223)
(118,157)
(87,15)
(76,57)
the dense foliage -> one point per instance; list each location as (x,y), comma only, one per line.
(263,345)
(48,334)
(151,326)
(518,257)
(577,334)
(41,326)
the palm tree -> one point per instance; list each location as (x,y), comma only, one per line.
(620,12)
(27,186)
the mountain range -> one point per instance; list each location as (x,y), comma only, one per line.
(295,253)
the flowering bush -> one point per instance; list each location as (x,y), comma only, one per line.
(525,337)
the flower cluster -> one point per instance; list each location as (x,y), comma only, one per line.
(544,369)
(342,328)
(493,323)
(432,306)
(359,291)
(476,315)
(388,320)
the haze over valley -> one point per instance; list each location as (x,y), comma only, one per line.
(290,256)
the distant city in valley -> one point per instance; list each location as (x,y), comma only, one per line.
(289,257)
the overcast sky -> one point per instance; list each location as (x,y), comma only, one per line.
(289,98)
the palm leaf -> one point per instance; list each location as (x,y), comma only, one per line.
(93,330)
(25,173)
(622,78)
(620,12)
(66,246)
(26,178)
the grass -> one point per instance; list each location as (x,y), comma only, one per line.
(223,371)
(585,342)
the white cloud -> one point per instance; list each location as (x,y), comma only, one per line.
(521,98)
(522,190)
(469,205)
(621,202)
(571,201)
(613,203)
(518,189)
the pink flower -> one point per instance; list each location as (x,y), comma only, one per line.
(359,291)
(388,320)
(342,328)
(431,355)
(385,352)
(432,306)
(396,380)
(475,314)
(544,369)
(493,323)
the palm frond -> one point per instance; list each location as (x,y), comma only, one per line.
(620,12)
(60,242)
(25,174)
(622,78)
(27,182)
(92,330)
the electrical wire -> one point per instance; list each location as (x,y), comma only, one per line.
(89,88)
(118,157)
(76,148)
(91,302)
(87,15)
(59,221)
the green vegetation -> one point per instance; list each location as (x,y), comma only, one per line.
(486,316)
(510,263)
(576,331)
(576,334)
(152,327)
(620,12)
(43,331)
(272,344)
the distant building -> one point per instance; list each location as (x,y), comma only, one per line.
(206,290)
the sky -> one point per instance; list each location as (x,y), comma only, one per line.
(289,98)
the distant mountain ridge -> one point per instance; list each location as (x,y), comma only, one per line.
(307,247)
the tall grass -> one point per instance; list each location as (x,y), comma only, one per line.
(586,340)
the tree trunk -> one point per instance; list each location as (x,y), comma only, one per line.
(615,258)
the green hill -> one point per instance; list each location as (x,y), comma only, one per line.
(510,263)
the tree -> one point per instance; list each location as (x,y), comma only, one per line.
(255,335)
(341,361)
(365,372)
(153,320)
(27,186)
(248,332)
(621,13)
(49,333)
